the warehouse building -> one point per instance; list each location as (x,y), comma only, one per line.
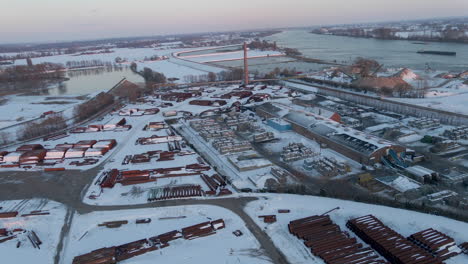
(356,145)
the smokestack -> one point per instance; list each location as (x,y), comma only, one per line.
(246,66)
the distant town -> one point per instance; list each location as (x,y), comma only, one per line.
(444,30)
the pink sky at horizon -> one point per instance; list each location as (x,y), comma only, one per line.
(60,20)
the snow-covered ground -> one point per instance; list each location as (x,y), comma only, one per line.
(456,103)
(22,108)
(222,247)
(129,54)
(47,228)
(403,221)
(174,68)
(120,136)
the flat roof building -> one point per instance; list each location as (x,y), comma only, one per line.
(359,146)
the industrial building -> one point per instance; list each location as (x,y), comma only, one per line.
(356,145)
(279,124)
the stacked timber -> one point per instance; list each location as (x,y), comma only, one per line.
(212,184)
(109,179)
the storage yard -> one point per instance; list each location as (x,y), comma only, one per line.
(324,230)
(174,234)
(30,230)
(201,144)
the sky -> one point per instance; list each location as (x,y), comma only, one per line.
(62,20)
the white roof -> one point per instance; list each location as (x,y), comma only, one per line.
(419,170)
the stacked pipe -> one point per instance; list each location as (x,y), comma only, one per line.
(165,238)
(219,179)
(135,177)
(464,247)
(140,158)
(212,184)
(101,256)
(177,192)
(166,155)
(109,179)
(35,241)
(36,212)
(85,162)
(122,252)
(114,224)
(436,243)
(200,230)
(224,191)
(8,214)
(327,241)
(393,246)
(133,249)
(198,167)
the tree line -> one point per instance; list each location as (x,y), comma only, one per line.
(41,128)
(29,72)
(93,106)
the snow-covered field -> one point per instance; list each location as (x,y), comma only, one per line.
(47,228)
(129,54)
(23,108)
(174,68)
(222,247)
(232,55)
(403,221)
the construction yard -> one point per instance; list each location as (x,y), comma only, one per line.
(156,224)
(148,181)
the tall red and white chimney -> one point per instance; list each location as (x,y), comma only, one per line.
(246,66)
